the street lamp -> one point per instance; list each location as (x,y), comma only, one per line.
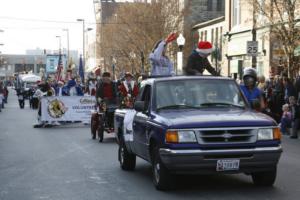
(132,56)
(83,41)
(67,30)
(59,37)
(142,61)
(180,42)
(87,56)
(114,62)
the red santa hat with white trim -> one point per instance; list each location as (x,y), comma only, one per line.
(204,47)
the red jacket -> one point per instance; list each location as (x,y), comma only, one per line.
(125,90)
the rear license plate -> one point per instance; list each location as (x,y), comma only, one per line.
(228,165)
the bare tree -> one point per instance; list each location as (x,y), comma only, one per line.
(281,17)
(134,29)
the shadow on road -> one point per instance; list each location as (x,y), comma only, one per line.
(206,185)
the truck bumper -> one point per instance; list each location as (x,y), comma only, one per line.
(205,161)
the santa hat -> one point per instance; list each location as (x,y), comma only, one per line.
(204,47)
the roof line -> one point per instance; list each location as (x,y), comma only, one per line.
(210,22)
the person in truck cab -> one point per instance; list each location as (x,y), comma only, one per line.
(251,91)
(198,62)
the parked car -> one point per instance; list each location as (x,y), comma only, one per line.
(201,125)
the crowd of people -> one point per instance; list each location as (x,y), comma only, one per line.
(281,98)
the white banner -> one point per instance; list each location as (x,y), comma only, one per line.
(67,108)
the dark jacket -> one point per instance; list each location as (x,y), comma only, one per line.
(197,64)
(295,110)
(100,93)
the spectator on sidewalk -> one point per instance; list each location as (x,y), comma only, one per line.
(289,89)
(295,110)
(286,120)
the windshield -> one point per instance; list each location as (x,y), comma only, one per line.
(194,94)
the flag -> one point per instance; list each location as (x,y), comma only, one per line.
(69,70)
(59,69)
(81,70)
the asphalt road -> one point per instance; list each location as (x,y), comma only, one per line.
(65,163)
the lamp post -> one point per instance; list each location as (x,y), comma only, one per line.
(142,61)
(59,37)
(83,41)
(114,62)
(180,42)
(68,44)
(132,56)
(87,42)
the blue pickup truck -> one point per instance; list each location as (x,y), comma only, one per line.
(201,125)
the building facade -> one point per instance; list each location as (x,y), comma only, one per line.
(213,31)
(234,32)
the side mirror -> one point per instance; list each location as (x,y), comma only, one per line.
(139,106)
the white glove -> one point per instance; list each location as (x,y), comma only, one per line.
(129,95)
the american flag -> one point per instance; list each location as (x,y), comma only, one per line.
(81,69)
(59,69)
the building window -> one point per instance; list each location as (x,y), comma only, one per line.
(209,5)
(236,12)
(220,5)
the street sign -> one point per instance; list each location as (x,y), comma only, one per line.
(252,48)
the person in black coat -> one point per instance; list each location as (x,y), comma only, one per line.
(198,62)
(295,110)
(289,89)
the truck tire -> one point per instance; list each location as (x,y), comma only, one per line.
(126,159)
(162,178)
(264,178)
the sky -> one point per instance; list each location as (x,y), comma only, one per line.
(31,24)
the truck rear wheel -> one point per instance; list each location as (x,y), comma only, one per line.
(264,178)
(126,159)
(162,178)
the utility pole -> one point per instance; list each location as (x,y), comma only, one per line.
(254,58)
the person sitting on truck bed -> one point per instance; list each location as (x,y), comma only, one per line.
(161,65)
(198,62)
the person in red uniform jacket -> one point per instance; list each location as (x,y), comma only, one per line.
(106,89)
(105,92)
(129,90)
